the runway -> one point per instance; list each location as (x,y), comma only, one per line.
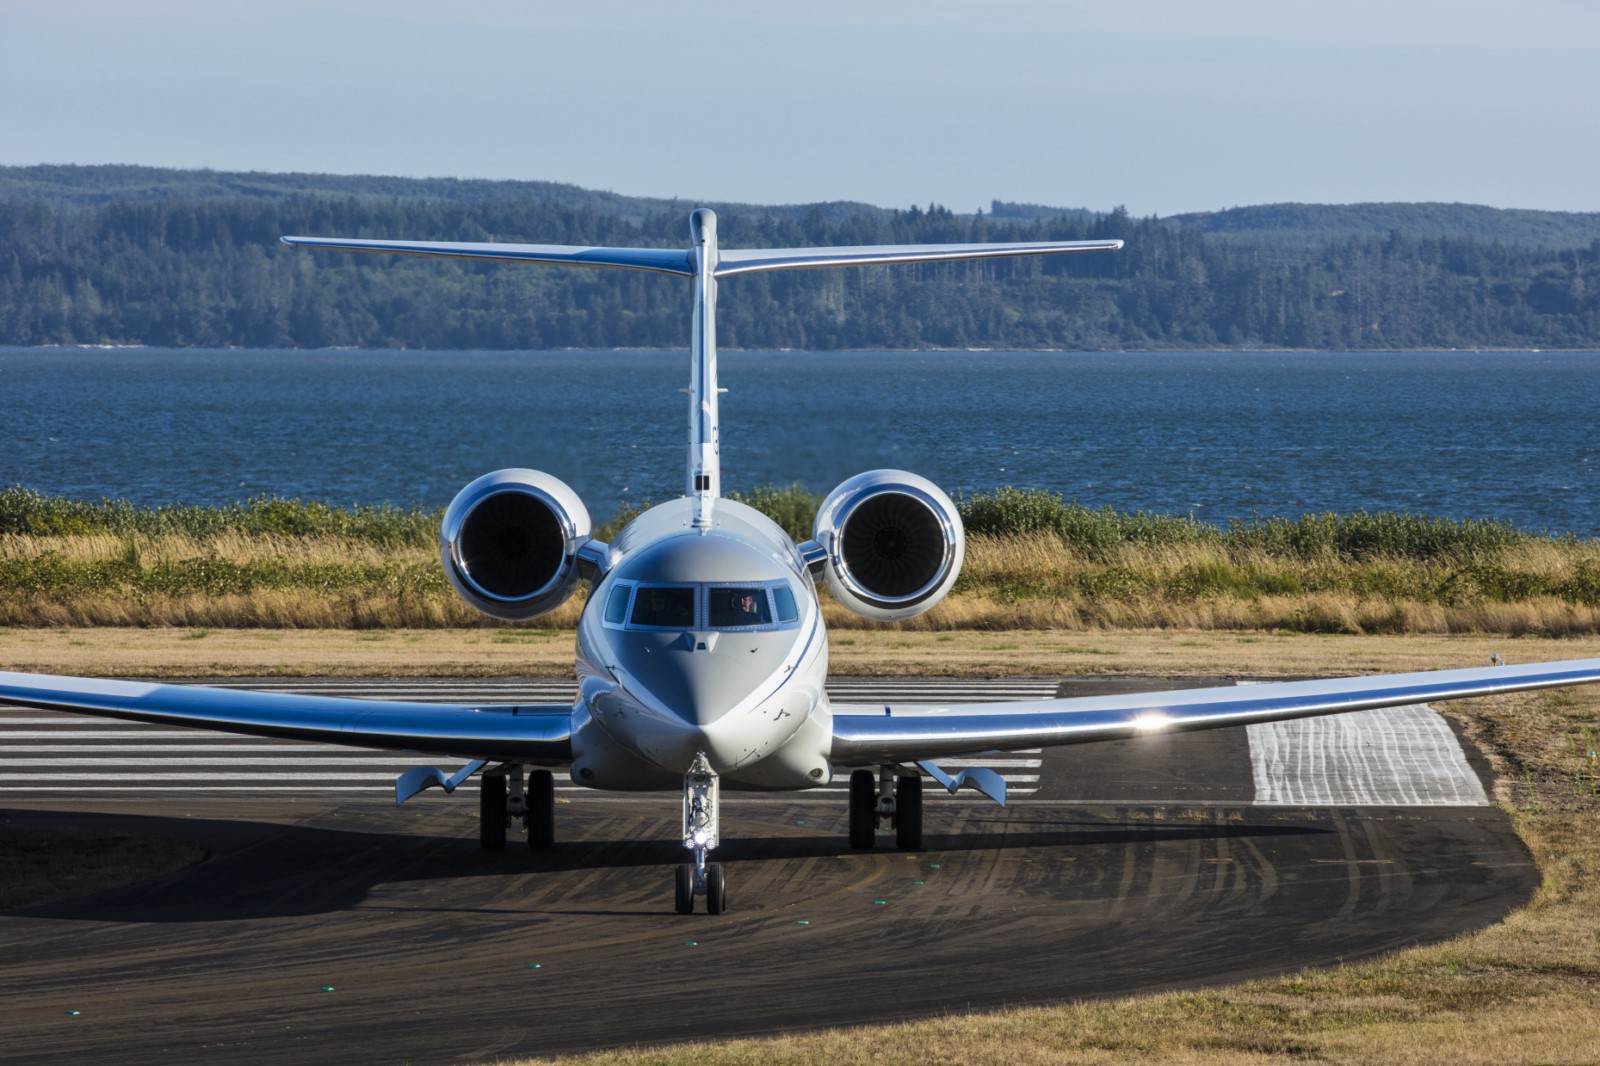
(1160,863)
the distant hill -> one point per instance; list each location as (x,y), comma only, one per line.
(1291,223)
(191,258)
(1308,224)
(1316,223)
(80,186)
(1034,212)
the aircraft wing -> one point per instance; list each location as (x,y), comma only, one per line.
(664,260)
(749,260)
(494,732)
(864,736)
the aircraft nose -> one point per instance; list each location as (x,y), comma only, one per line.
(723,749)
(701,676)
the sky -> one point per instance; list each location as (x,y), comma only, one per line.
(1161,106)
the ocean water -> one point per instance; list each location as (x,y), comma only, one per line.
(1510,436)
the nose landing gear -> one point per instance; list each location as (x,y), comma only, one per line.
(700,834)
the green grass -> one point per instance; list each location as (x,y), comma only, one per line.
(23,511)
(1003,512)
(1359,536)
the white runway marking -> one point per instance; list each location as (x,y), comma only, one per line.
(1396,756)
(1400,756)
(66,753)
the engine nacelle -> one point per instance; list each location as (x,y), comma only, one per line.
(890,544)
(510,540)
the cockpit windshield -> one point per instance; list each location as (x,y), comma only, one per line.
(735,608)
(664,606)
(769,606)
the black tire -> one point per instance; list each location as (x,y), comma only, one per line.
(685,883)
(492,811)
(863,809)
(716,889)
(541,810)
(908,814)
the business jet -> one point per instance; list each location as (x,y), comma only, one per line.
(701,653)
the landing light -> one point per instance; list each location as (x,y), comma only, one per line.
(1151,722)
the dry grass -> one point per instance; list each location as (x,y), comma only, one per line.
(232,579)
(220,652)
(1033,581)
(1039,581)
(233,545)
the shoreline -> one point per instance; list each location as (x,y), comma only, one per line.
(829,351)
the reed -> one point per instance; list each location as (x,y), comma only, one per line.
(1033,561)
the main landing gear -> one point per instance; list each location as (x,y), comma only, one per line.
(887,798)
(700,832)
(503,796)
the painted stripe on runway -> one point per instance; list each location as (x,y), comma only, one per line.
(46,757)
(1401,756)
(1396,756)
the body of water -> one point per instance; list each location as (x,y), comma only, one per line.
(1510,436)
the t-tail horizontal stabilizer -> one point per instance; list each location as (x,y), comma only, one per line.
(729,261)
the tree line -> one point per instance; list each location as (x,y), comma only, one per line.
(208,271)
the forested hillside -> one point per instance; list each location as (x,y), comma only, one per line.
(127,255)
(1316,223)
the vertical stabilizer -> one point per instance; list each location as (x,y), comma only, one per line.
(704,262)
(705,473)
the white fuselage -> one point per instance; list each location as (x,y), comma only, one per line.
(702,638)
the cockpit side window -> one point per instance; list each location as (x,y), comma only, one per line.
(664,606)
(783,596)
(734,607)
(617,604)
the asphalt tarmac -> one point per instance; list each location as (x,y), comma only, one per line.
(332,927)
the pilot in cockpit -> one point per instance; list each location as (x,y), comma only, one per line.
(740,607)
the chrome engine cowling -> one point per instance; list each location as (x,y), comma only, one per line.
(510,541)
(890,544)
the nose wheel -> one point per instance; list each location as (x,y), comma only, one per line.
(715,888)
(700,834)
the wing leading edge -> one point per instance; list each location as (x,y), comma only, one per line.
(532,732)
(905,734)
